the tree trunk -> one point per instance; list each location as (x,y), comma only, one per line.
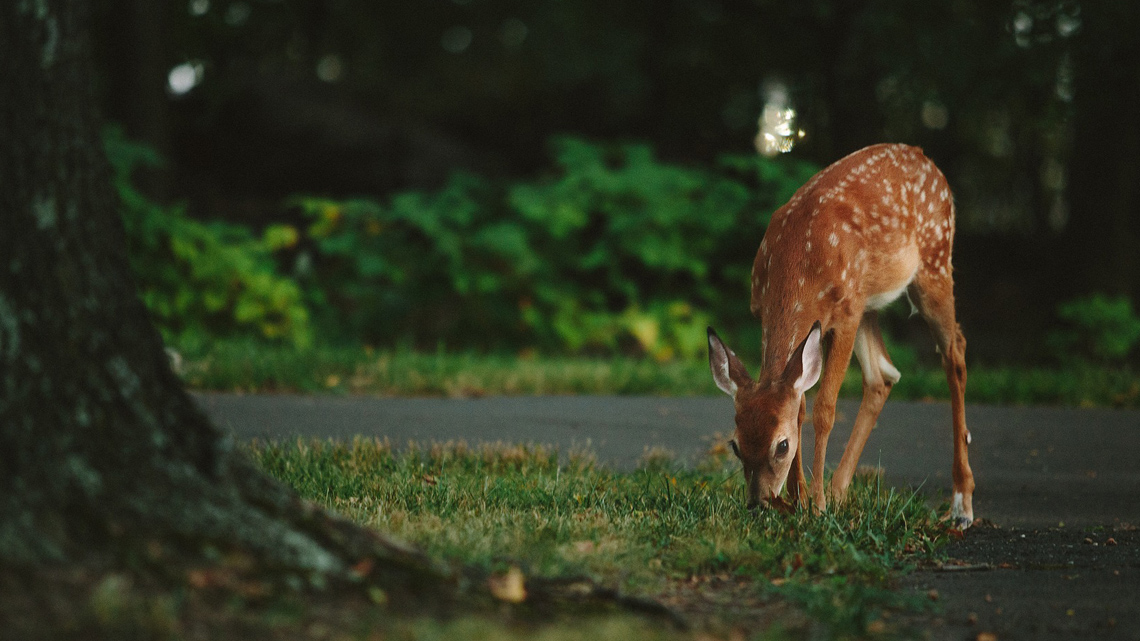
(134,41)
(104,459)
(101,450)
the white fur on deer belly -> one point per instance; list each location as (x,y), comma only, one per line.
(879,301)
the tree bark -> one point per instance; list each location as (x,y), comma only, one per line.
(101,450)
(104,458)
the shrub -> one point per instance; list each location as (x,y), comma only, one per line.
(1099,329)
(202,280)
(614,250)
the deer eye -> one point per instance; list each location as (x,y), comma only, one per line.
(782,448)
(735,447)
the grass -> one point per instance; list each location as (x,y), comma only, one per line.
(253,367)
(682,536)
(250,367)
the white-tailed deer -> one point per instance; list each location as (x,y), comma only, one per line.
(854,238)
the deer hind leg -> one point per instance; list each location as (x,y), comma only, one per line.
(879,375)
(934,298)
(823,412)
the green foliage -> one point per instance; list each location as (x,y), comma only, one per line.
(650,531)
(1100,329)
(615,251)
(253,366)
(201,280)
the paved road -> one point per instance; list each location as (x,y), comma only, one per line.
(1036,469)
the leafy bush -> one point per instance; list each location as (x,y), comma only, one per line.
(613,251)
(202,280)
(1100,329)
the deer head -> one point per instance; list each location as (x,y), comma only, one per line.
(767,435)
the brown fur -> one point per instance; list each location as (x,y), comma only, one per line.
(859,233)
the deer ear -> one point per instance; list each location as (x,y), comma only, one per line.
(727,370)
(806,363)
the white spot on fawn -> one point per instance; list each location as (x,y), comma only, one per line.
(833,239)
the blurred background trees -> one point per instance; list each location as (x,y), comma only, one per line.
(579,174)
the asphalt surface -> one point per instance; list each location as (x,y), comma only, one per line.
(1053,485)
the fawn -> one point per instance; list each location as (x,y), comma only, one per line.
(851,240)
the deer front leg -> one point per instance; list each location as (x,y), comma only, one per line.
(797,485)
(823,412)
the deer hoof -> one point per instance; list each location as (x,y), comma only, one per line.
(961,512)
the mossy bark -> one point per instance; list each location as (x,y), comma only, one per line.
(100,447)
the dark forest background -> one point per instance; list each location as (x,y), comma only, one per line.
(1029,107)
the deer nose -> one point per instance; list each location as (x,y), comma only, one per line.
(756,503)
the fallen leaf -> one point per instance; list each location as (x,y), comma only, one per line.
(1110,541)
(782,505)
(363,567)
(200,578)
(154,550)
(429,479)
(253,589)
(987,636)
(509,587)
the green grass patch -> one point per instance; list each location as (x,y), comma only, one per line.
(677,534)
(256,367)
